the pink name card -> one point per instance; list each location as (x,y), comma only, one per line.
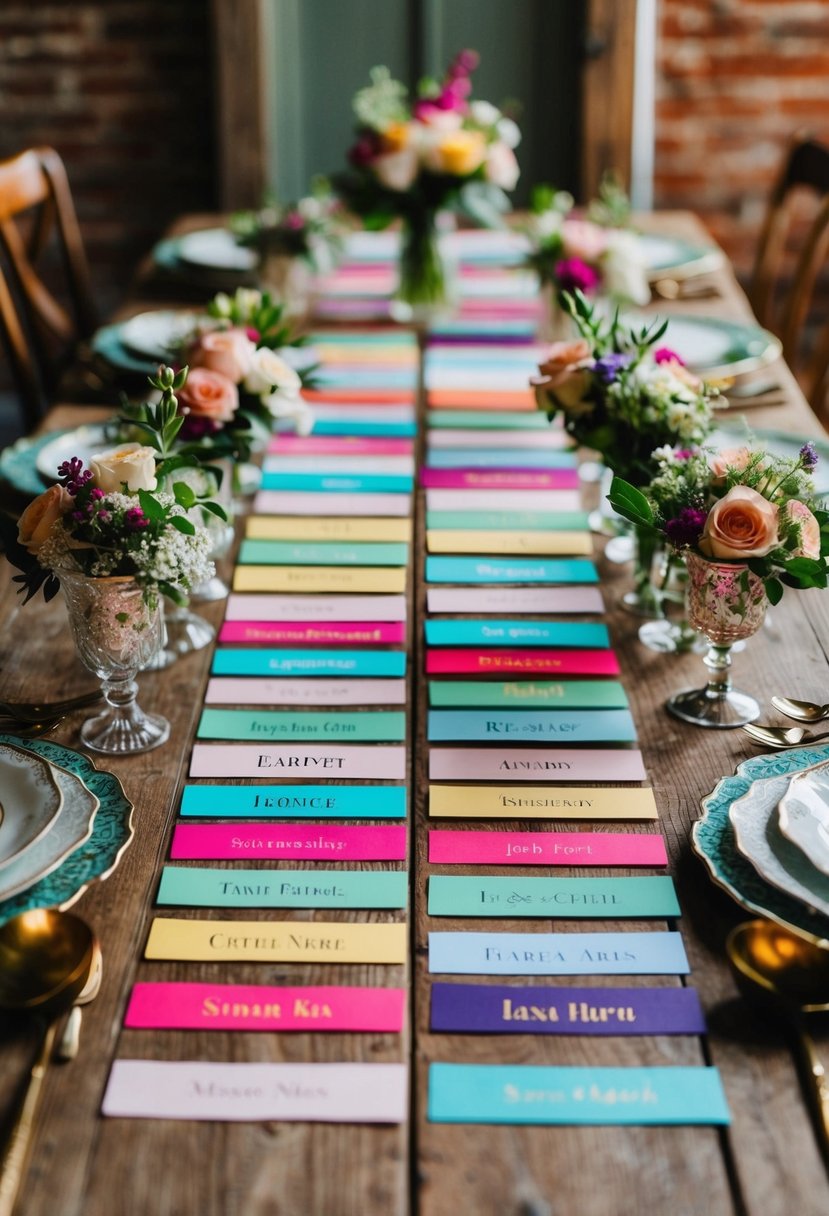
(310,842)
(514,600)
(267,690)
(348,761)
(440,661)
(278,609)
(257,1093)
(309,633)
(547,848)
(318,502)
(535,764)
(499,479)
(338,445)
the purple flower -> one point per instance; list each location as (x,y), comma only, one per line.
(135,519)
(79,516)
(808,457)
(198,428)
(665,355)
(573,273)
(96,494)
(687,528)
(73,475)
(607,367)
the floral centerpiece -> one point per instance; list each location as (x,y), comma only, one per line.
(412,159)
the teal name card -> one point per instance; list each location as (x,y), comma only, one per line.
(498,458)
(348,425)
(344,483)
(508,521)
(474,570)
(520,1093)
(485,725)
(294,801)
(649,953)
(200,887)
(605,898)
(323,553)
(488,420)
(528,694)
(369,727)
(274,662)
(517,633)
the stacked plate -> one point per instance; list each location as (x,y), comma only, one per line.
(764,835)
(63,824)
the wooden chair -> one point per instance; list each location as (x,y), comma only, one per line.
(40,333)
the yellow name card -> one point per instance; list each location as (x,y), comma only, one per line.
(567,544)
(305,527)
(540,802)
(318,578)
(275,941)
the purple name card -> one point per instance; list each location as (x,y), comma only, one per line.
(268,842)
(499,479)
(546,848)
(309,633)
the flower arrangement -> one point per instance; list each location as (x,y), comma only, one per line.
(310,229)
(621,393)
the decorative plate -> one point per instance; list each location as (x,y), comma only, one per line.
(670,255)
(18,464)
(714,347)
(157,334)
(81,441)
(803,815)
(30,799)
(215,249)
(107,345)
(713,839)
(95,858)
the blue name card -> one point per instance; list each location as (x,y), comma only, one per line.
(517,633)
(294,801)
(474,570)
(651,953)
(493,725)
(370,483)
(267,662)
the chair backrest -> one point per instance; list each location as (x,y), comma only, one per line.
(36,209)
(805,166)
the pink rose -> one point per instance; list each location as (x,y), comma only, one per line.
(583,239)
(37,521)
(208,394)
(228,351)
(743,524)
(797,515)
(565,373)
(729,458)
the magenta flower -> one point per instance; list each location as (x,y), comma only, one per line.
(365,150)
(664,354)
(687,528)
(135,519)
(573,273)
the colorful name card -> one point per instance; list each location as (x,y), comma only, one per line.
(492,479)
(540,802)
(455,662)
(200,887)
(181,1006)
(259,690)
(333,483)
(482,570)
(340,445)
(299,841)
(499,458)
(279,527)
(293,761)
(322,553)
(294,801)
(516,522)
(266,662)
(374,726)
(495,1009)
(649,953)
(516,633)
(573,544)
(330,608)
(606,898)
(508,500)
(487,764)
(532,848)
(257,1093)
(529,600)
(498,726)
(528,694)
(327,466)
(632,1097)
(308,633)
(318,578)
(277,941)
(291,502)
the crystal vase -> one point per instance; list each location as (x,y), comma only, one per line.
(727,603)
(221,535)
(671,633)
(426,286)
(290,280)
(116,632)
(643,600)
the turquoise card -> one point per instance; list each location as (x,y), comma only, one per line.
(508,521)
(499,458)
(262,662)
(650,953)
(571,898)
(473,570)
(276,726)
(488,420)
(343,483)
(324,553)
(520,1093)
(523,726)
(201,887)
(294,801)
(517,633)
(529,694)
(358,426)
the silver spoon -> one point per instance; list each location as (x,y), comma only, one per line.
(37,711)
(782,736)
(801,711)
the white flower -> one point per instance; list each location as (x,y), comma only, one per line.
(269,372)
(666,455)
(623,265)
(484,113)
(501,167)
(247,300)
(297,408)
(131,463)
(509,132)
(397,170)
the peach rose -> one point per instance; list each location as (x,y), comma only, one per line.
(37,521)
(729,458)
(396,170)
(228,351)
(743,524)
(565,372)
(584,240)
(457,153)
(208,394)
(501,166)
(808,529)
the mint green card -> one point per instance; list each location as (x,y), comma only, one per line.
(488,420)
(199,887)
(508,521)
(383,726)
(570,898)
(527,694)
(321,553)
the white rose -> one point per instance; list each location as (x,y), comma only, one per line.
(297,408)
(625,273)
(509,132)
(484,113)
(268,372)
(501,167)
(131,463)
(397,170)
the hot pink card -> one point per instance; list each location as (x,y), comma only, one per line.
(328,608)
(318,502)
(298,762)
(540,765)
(284,690)
(547,848)
(309,633)
(308,841)
(444,662)
(499,479)
(338,445)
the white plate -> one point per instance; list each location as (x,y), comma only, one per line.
(216,249)
(714,347)
(30,800)
(759,839)
(803,814)
(158,333)
(83,442)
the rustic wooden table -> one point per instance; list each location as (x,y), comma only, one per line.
(766,1163)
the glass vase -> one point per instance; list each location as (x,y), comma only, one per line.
(426,286)
(727,603)
(116,632)
(643,600)
(672,632)
(554,324)
(220,531)
(290,280)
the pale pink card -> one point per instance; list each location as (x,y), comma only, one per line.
(446,438)
(268,842)
(506,500)
(546,848)
(275,691)
(499,479)
(312,633)
(514,601)
(280,608)
(316,502)
(181,1006)
(298,762)
(257,1093)
(340,445)
(542,765)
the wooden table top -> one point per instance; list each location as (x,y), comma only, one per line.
(766,1163)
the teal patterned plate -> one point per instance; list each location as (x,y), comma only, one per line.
(98,856)
(713,839)
(18,465)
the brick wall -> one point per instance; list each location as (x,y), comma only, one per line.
(122,89)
